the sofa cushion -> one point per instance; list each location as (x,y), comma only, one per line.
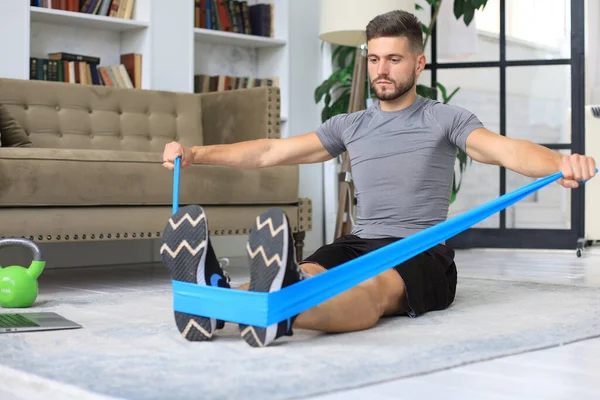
(63,177)
(11,132)
(67,116)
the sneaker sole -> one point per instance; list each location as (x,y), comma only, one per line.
(184,253)
(267,251)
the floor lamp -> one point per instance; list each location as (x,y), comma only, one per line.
(343,22)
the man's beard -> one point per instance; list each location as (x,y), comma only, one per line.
(399,90)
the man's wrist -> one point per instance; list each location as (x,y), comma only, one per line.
(194,151)
(559,162)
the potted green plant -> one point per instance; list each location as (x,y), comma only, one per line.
(335,90)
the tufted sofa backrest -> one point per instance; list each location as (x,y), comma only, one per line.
(76,116)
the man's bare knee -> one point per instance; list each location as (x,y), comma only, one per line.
(374,289)
(393,292)
(312,268)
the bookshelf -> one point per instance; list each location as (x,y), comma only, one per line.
(36,31)
(235,39)
(81,20)
(248,56)
(172,48)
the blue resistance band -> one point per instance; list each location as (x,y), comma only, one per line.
(264,309)
(176,184)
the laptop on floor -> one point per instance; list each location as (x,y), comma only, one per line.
(34,321)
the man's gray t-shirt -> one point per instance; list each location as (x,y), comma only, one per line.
(402,163)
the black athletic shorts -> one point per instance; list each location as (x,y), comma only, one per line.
(429,277)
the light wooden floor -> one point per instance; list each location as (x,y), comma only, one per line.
(567,372)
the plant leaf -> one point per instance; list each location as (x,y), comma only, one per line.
(479,3)
(468,16)
(319,92)
(323,88)
(340,106)
(325,114)
(442,89)
(427,92)
(454,190)
(342,61)
(335,53)
(458,8)
(462,157)
(426,29)
(452,94)
(418,7)
(335,78)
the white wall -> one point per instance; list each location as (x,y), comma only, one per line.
(592,52)
(305,71)
(305,76)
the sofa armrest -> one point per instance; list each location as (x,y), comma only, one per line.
(239,115)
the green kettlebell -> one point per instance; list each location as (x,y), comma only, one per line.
(19,285)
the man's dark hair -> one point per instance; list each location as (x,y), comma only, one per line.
(397,23)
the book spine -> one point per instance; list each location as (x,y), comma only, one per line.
(232,16)
(74,57)
(246,17)
(209,19)
(33,68)
(238,16)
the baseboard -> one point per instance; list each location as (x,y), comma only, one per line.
(83,254)
(122,252)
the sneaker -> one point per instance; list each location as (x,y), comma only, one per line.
(189,256)
(272,267)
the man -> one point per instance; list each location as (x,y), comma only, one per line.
(402,152)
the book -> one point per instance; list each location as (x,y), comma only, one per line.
(133,66)
(235,16)
(86,70)
(74,57)
(204,83)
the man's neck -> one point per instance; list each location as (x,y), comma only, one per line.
(400,103)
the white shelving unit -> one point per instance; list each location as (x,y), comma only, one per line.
(235,54)
(81,20)
(172,49)
(235,39)
(37,31)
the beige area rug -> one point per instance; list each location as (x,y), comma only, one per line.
(129,346)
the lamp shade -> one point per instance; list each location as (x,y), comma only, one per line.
(343,22)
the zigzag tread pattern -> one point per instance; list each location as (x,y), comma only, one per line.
(183,245)
(186,217)
(194,324)
(250,330)
(261,250)
(269,221)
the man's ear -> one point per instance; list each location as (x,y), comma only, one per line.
(421,63)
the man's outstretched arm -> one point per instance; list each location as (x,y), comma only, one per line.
(259,153)
(527,158)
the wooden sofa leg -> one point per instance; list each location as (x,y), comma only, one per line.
(299,244)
